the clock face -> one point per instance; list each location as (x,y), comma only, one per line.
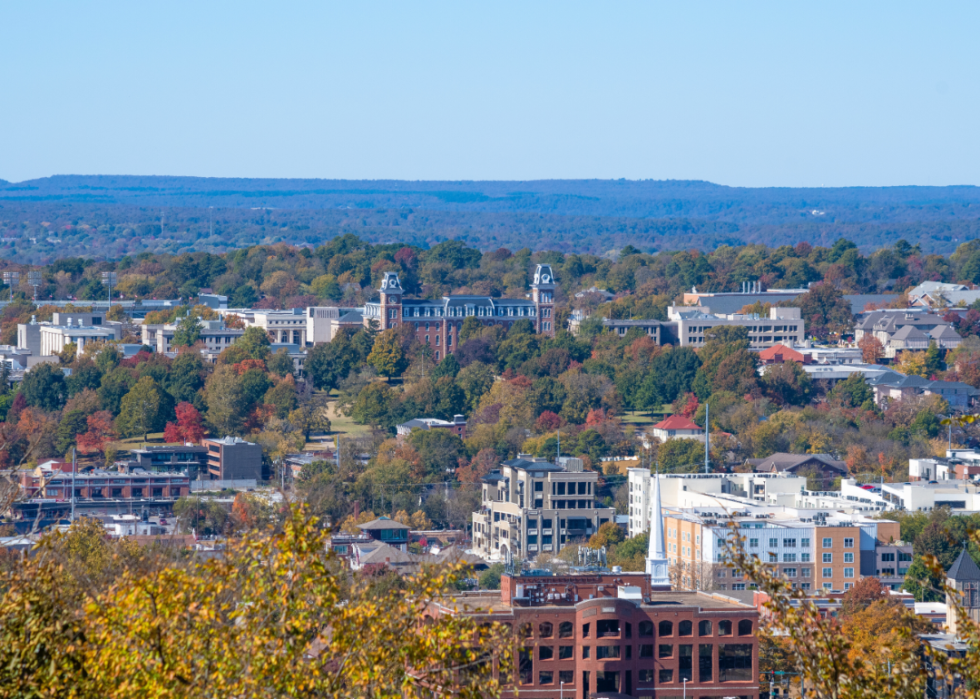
(546,278)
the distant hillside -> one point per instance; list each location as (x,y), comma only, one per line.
(114,215)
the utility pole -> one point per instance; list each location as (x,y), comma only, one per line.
(73,485)
(707,436)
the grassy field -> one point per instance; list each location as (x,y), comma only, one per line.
(341,424)
(640,419)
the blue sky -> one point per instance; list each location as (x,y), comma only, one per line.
(751,94)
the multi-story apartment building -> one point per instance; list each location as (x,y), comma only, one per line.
(533,506)
(437,322)
(53,480)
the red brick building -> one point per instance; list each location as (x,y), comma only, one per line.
(596,634)
(437,322)
(56,484)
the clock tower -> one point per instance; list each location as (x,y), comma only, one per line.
(543,295)
(391,301)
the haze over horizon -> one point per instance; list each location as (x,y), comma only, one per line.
(765,95)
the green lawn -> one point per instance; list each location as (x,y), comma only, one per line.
(342,424)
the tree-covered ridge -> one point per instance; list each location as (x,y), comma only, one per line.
(44,219)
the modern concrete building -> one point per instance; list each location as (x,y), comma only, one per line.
(214,334)
(324,322)
(533,506)
(783,325)
(232,458)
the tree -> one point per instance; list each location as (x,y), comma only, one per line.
(934,360)
(282,397)
(910,363)
(440,451)
(871,349)
(186,377)
(101,432)
(144,409)
(447,367)
(608,535)
(479,466)
(72,423)
(281,363)
(188,331)
(787,384)
(825,311)
(226,401)
(329,363)
(44,387)
(203,516)
(308,418)
(490,578)
(189,428)
(387,356)
(853,392)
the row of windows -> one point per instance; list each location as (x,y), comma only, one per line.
(734,665)
(459,312)
(611,627)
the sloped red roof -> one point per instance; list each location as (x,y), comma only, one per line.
(677,422)
(787,354)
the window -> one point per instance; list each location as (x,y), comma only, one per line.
(685,663)
(735,662)
(607,681)
(585,630)
(665,650)
(646,629)
(789,558)
(685,628)
(789,543)
(666,675)
(645,676)
(753,543)
(789,572)
(827,543)
(773,543)
(704,628)
(885,557)
(565,629)
(566,676)
(745,627)
(848,572)
(566,652)
(827,572)
(848,543)
(604,652)
(804,558)
(607,627)
(546,652)
(704,663)
(828,558)
(666,628)
(848,558)
(904,557)
(646,651)
(546,677)
(525,666)
(804,586)
(725,628)
(586,652)
(805,543)
(545,629)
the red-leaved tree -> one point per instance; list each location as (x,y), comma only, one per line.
(189,427)
(101,432)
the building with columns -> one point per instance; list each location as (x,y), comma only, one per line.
(438,322)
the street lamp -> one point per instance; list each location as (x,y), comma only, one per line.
(108,279)
(34,279)
(11,279)
(685,687)
(561,689)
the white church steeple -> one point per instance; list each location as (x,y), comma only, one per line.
(656,553)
